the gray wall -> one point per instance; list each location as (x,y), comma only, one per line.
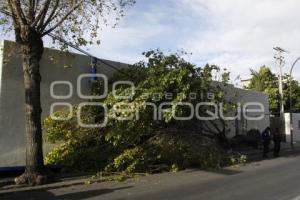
(55,66)
(59,66)
(242,126)
(294,125)
(246,96)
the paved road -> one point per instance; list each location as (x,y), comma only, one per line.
(271,180)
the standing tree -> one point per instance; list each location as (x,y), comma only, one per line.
(264,80)
(77,21)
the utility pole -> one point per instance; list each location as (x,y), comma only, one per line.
(280,63)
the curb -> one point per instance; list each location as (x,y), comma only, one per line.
(6,182)
(61,184)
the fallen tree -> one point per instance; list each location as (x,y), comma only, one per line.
(137,135)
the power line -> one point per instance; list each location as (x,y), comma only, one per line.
(85,52)
(55,37)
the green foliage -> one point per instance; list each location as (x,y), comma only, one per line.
(165,75)
(77,147)
(169,152)
(3,21)
(295,98)
(145,144)
(266,81)
(262,79)
(236,159)
(135,73)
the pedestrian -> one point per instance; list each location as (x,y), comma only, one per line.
(266,137)
(277,140)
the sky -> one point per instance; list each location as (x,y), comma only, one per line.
(234,34)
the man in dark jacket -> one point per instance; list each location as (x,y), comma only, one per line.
(266,137)
(277,140)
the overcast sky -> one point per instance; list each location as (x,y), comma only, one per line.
(235,34)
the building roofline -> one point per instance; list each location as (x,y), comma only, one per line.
(71,52)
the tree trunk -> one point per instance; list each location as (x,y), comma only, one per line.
(32,51)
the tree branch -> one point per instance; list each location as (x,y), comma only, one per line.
(31,10)
(41,14)
(215,125)
(17,11)
(15,21)
(208,129)
(41,27)
(64,18)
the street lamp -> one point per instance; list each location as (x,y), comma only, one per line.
(291,114)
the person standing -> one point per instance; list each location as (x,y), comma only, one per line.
(277,142)
(266,137)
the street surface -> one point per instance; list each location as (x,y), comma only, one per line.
(277,179)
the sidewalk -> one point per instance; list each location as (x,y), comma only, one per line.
(6,186)
(258,180)
(256,154)
(253,155)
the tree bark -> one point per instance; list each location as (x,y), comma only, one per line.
(32,51)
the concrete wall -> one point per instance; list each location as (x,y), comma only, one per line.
(55,66)
(295,126)
(237,95)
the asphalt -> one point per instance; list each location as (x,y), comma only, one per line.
(274,179)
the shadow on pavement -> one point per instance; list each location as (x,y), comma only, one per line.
(228,172)
(222,171)
(256,156)
(46,195)
(285,153)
